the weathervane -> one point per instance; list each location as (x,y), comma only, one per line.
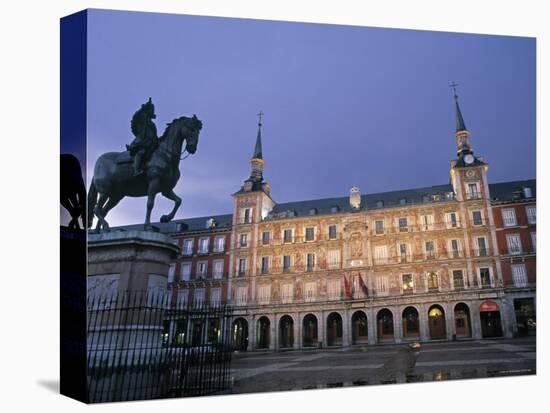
(260,118)
(454,85)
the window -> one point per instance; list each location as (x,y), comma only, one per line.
(379,204)
(485,277)
(379,225)
(215,296)
(519,275)
(242,295)
(242,266)
(218,269)
(403,252)
(334,209)
(334,289)
(477,218)
(534,241)
(310,291)
(310,261)
(403,201)
(407,284)
(433,282)
(473,191)
(243,240)
(458,279)
(287,235)
(287,293)
(264,294)
(332,232)
(531,211)
(203,246)
(426,222)
(481,247)
(171,273)
(403,225)
(430,250)
(514,243)
(310,233)
(201,269)
(455,248)
(509,217)
(333,259)
(265,265)
(185,271)
(187,247)
(286,263)
(266,235)
(219,244)
(313,211)
(452,220)
(246,216)
(382,285)
(198,297)
(380,254)
(183,295)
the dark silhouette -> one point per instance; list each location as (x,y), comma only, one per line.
(145,131)
(73,191)
(114,176)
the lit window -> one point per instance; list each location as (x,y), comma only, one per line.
(407,283)
(433,282)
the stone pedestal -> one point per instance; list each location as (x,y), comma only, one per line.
(127,299)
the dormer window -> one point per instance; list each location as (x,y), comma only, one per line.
(379,204)
(313,211)
(527,192)
(403,201)
(334,209)
(291,214)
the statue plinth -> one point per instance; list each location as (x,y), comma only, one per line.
(127,298)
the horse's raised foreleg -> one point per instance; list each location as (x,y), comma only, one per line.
(98,212)
(152,192)
(111,203)
(177,202)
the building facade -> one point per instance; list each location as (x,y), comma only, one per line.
(435,263)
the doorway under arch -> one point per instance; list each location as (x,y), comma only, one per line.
(263,327)
(411,325)
(463,325)
(239,334)
(286,332)
(309,331)
(334,329)
(436,322)
(384,323)
(359,328)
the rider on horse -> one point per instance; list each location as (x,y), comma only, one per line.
(145,132)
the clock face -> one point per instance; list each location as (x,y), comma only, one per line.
(469,159)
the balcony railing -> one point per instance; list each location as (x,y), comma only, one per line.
(296,240)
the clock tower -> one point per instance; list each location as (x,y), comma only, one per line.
(468,172)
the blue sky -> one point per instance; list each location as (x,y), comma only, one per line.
(343,105)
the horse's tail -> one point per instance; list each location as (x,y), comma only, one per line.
(92,201)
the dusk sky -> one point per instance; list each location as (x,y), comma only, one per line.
(343,105)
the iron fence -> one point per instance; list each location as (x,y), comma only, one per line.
(141,347)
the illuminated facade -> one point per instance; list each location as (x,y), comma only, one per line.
(412,265)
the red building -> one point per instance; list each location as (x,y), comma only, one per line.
(515,217)
(198,277)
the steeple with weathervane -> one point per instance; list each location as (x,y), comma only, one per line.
(464,151)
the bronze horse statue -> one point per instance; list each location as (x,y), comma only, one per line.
(73,191)
(114,176)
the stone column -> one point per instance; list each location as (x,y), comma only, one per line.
(397,325)
(346,339)
(252,332)
(371,325)
(274,336)
(475,319)
(297,331)
(449,320)
(423,321)
(507,317)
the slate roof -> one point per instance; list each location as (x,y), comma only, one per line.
(503,192)
(512,191)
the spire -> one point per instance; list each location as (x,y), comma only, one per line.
(258,148)
(460,125)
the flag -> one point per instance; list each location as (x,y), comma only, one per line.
(347,291)
(363,286)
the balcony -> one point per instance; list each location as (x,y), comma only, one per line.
(473,195)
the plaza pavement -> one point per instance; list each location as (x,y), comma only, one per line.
(384,364)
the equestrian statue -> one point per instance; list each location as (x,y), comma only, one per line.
(149,166)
